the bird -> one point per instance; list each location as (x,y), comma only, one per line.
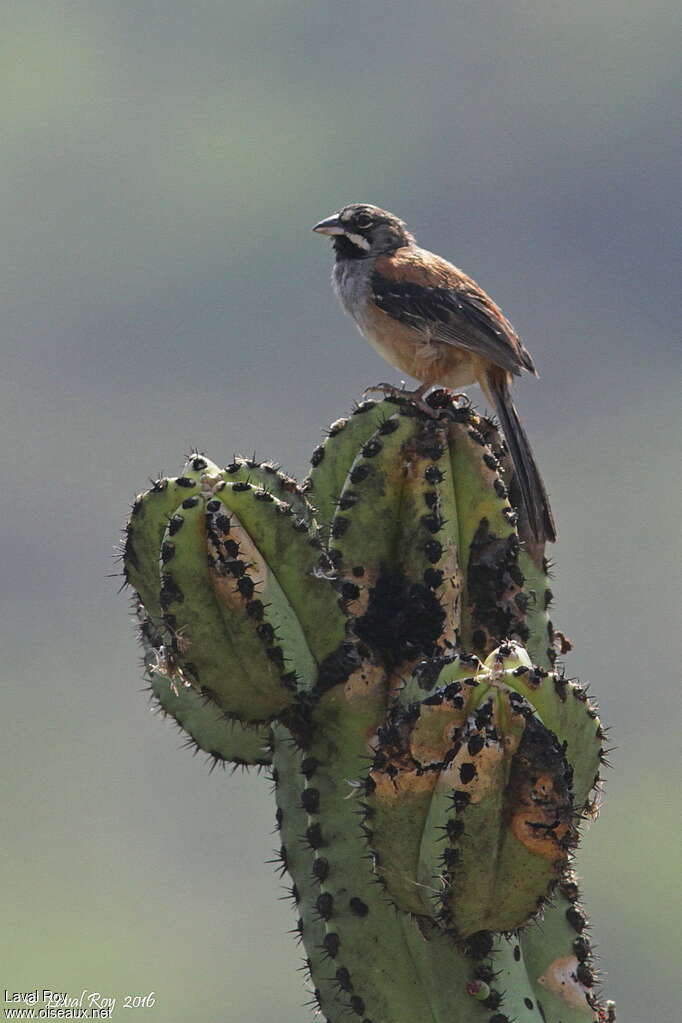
(429,319)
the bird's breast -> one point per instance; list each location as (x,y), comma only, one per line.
(405,347)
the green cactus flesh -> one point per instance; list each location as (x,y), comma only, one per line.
(380,637)
(206,726)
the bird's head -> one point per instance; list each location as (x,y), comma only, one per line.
(360,231)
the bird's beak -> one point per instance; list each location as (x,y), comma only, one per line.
(332,225)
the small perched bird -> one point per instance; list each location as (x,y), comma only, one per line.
(428,319)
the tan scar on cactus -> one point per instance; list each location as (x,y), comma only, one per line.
(433,733)
(249,553)
(560,978)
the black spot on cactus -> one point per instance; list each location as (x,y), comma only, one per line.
(223,521)
(528,1002)
(494,999)
(184,481)
(450,858)
(500,488)
(485,973)
(358,571)
(347,501)
(213,506)
(433,550)
(570,890)
(479,945)
(235,568)
(338,666)
(357,1005)
(320,869)
(324,904)
(483,715)
(390,426)
(460,800)
(467,773)
(266,632)
(402,619)
(167,551)
(433,475)
(499,1017)
(313,837)
(276,655)
(560,687)
(264,495)
(433,578)
(358,907)
(339,526)
(585,975)
(331,944)
(358,474)
(517,953)
(310,800)
(350,591)
(490,577)
(582,949)
(343,979)
(454,828)
(477,437)
(190,502)
(246,587)
(255,609)
(475,744)
(434,523)
(516,574)
(175,523)
(199,463)
(170,592)
(371,449)
(308,767)
(576,919)
(434,451)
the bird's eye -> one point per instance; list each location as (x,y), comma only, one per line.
(363,220)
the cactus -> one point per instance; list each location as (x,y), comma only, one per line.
(379,637)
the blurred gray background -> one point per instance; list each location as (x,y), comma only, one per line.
(162,164)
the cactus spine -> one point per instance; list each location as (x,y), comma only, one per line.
(380,637)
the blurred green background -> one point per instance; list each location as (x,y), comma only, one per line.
(162,164)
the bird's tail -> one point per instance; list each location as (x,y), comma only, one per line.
(533,493)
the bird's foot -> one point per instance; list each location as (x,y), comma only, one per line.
(445,398)
(390,390)
(415,397)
